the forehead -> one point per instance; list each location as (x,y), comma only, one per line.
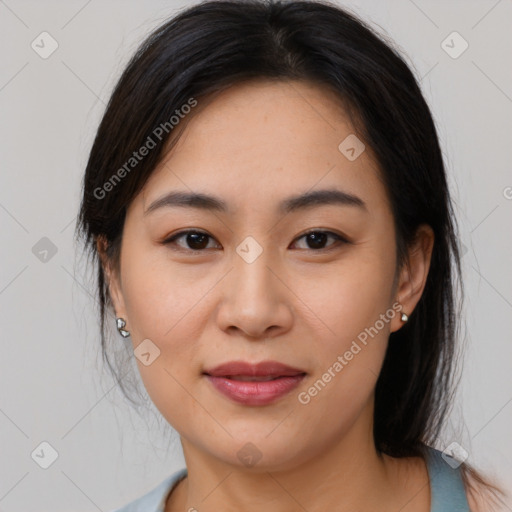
(266,117)
(262,141)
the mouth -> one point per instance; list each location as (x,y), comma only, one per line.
(242,370)
(250,378)
(254,384)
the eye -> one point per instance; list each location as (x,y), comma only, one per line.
(196,240)
(317,239)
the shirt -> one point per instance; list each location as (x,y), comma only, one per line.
(447,492)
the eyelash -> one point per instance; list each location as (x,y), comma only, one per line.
(171,240)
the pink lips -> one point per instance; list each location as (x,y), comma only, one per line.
(259,390)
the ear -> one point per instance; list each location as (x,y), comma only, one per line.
(414,273)
(112,278)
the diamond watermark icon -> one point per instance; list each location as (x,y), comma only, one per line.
(454,455)
(249,454)
(249,250)
(462,248)
(44,455)
(44,249)
(454,45)
(44,45)
(351,147)
(146,352)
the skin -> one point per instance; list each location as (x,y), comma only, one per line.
(254,145)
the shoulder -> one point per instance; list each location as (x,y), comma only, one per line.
(154,500)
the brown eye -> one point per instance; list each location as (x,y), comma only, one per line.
(198,240)
(195,240)
(316,240)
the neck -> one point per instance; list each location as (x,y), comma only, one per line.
(344,475)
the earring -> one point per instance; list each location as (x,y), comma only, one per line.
(404,317)
(120,324)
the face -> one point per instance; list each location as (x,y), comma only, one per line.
(309,286)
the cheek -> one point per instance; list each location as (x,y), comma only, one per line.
(164,306)
(347,298)
(352,342)
(350,310)
(160,296)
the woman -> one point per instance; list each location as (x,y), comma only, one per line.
(267,204)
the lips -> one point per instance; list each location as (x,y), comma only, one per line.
(254,384)
(265,370)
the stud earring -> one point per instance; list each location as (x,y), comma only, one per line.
(120,324)
(404,317)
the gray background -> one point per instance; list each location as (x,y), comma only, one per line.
(53,388)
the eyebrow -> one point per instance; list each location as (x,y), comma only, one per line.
(300,202)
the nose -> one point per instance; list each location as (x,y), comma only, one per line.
(255,301)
